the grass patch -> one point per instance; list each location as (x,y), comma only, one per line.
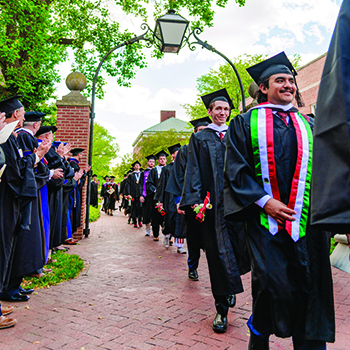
(67,267)
(94,213)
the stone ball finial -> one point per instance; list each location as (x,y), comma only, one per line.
(253,89)
(76,81)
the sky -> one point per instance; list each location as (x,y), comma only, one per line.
(266,27)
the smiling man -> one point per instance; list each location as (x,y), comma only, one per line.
(267,184)
(205,173)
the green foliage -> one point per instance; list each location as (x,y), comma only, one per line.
(225,77)
(94,213)
(104,150)
(67,267)
(333,245)
(123,167)
(35,36)
(159,141)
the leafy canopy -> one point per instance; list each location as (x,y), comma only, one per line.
(104,151)
(35,36)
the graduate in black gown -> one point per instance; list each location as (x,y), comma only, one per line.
(32,247)
(222,240)
(18,189)
(175,186)
(151,188)
(174,223)
(147,201)
(113,195)
(76,194)
(104,194)
(94,191)
(133,188)
(267,183)
(56,160)
(122,190)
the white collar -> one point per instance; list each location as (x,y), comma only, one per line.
(271,105)
(218,128)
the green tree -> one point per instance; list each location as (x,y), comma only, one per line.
(225,77)
(123,167)
(35,36)
(104,151)
(152,144)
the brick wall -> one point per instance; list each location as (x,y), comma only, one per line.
(164,115)
(73,125)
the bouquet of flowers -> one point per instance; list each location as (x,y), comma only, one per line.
(160,209)
(200,209)
(129,198)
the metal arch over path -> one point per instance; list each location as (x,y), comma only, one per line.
(151,37)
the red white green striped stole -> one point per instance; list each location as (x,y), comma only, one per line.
(265,169)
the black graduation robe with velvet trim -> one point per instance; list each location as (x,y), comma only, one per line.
(94,193)
(17,191)
(291,281)
(32,245)
(55,187)
(221,239)
(168,200)
(133,188)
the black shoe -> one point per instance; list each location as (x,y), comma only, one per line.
(193,275)
(256,343)
(231,299)
(14,298)
(220,324)
(25,291)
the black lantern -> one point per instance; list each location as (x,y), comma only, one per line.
(170,31)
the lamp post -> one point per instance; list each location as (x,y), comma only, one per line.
(168,36)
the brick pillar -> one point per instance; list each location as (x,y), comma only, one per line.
(73,125)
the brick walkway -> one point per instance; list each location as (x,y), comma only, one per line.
(134,294)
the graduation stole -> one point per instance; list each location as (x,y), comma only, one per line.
(265,169)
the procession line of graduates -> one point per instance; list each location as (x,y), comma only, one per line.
(256,173)
(40,200)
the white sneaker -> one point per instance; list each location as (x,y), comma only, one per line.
(147,233)
(181,250)
(148,230)
(166,242)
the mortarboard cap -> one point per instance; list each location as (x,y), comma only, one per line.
(161,154)
(151,156)
(200,122)
(94,175)
(112,177)
(172,149)
(137,162)
(34,116)
(105,177)
(125,175)
(76,151)
(219,95)
(44,129)
(10,104)
(274,65)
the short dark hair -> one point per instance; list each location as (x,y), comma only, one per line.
(261,97)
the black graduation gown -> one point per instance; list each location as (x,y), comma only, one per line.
(94,193)
(29,254)
(122,191)
(55,187)
(133,188)
(204,173)
(104,194)
(151,187)
(167,199)
(291,281)
(330,197)
(68,187)
(17,191)
(175,186)
(113,196)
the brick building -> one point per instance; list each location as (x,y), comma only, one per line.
(168,121)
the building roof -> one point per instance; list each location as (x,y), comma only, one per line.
(172,123)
